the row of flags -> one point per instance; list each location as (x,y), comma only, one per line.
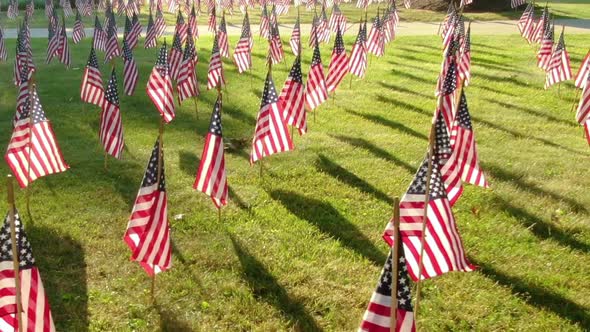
(554,58)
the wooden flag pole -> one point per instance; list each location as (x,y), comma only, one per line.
(395,262)
(160,145)
(28,190)
(196,107)
(576,101)
(15,263)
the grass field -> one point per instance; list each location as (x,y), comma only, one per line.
(300,249)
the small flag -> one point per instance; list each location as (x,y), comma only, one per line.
(111,127)
(112,46)
(559,69)
(293,99)
(264,23)
(187,84)
(175,56)
(337,20)
(338,63)
(150,35)
(181,28)
(583,113)
(78,33)
(222,38)
(464,67)
(357,64)
(275,44)
(192,22)
(212,23)
(375,43)
(517,3)
(159,87)
(130,72)
(546,49)
(316,92)
(215,75)
(92,90)
(580,76)
(100,37)
(243,50)
(295,40)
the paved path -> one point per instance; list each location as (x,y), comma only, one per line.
(572,26)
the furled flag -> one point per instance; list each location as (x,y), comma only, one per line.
(388,25)
(148,231)
(181,28)
(215,75)
(130,72)
(33,143)
(541,26)
(112,45)
(78,32)
(375,43)
(243,50)
(29,9)
(337,20)
(559,69)
(3,53)
(295,40)
(222,38)
(212,21)
(338,64)
(448,92)
(159,86)
(313,34)
(316,92)
(517,3)
(456,29)
(36,313)
(583,113)
(357,64)
(546,49)
(192,22)
(363,3)
(443,248)
(264,23)
(293,99)
(529,28)
(150,34)
(322,30)
(525,20)
(127,35)
(49,8)
(12,11)
(100,37)
(63,49)
(377,318)
(211,177)
(464,147)
(466,2)
(135,32)
(187,84)
(111,127)
(22,58)
(131,8)
(23,93)
(582,72)
(53,47)
(464,62)
(271,134)
(276,46)
(447,160)
(92,90)
(175,56)
(449,19)
(408,4)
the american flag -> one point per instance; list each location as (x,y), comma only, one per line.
(276,46)
(264,23)
(375,43)
(135,31)
(455,24)
(192,22)
(160,23)
(464,63)
(131,8)
(112,45)
(148,231)
(293,99)
(271,134)
(443,248)
(53,48)
(322,30)
(448,21)
(316,91)
(175,56)
(448,92)
(12,11)
(33,151)
(516,3)
(212,23)
(357,64)
(3,53)
(447,160)
(222,38)
(295,40)
(464,147)
(159,86)
(111,127)
(172,6)
(387,26)
(181,28)
(377,317)
(313,34)
(64,49)
(23,93)
(100,37)
(215,75)
(78,32)
(408,4)
(150,35)
(187,84)
(546,49)
(338,64)
(243,50)
(49,8)
(466,2)
(21,59)
(583,113)
(211,177)
(337,20)
(529,27)
(36,313)
(92,90)
(67,8)
(542,25)
(525,22)
(130,72)
(559,69)
(363,3)
(582,72)
(30,9)
(127,35)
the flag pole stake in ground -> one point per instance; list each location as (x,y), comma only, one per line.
(395,261)
(15,263)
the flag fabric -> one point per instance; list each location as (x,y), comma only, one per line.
(78,32)
(295,40)
(316,92)
(337,20)
(271,134)
(181,28)
(159,86)
(49,8)
(192,22)
(112,45)
(187,84)
(377,317)
(447,160)
(322,30)
(408,4)
(212,23)
(357,64)
(150,34)
(293,99)
(580,76)
(375,42)
(276,46)
(546,49)
(338,64)
(222,38)
(3,52)
(211,177)
(23,93)
(464,63)
(36,312)
(443,248)
(264,23)
(517,3)
(64,49)
(463,143)
(559,69)
(111,127)
(529,27)
(215,75)
(448,93)
(100,37)
(23,57)
(313,34)
(131,34)
(541,26)
(148,231)
(466,2)
(160,23)
(243,51)
(92,90)
(448,21)
(33,143)
(583,113)
(53,47)
(524,21)
(12,11)
(130,72)
(175,56)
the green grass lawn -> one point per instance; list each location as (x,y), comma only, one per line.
(301,248)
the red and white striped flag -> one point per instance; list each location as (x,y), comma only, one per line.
(215,76)
(529,27)
(525,19)
(150,34)
(92,90)
(36,313)
(559,69)
(316,92)
(159,86)
(443,248)
(357,64)
(466,2)
(23,94)
(33,143)
(264,23)
(541,26)
(271,134)
(448,93)
(222,38)
(583,113)
(192,22)
(181,28)
(464,67)
(448,21)
(12,11)
(111,127)
(338,64)
(148,230)
(376,43)
(23,57)
(130,72)
(160,23)
(212,23)
(175,56)
(447,160)
(243,51)
(131,33)
(582,72)
(112,46)
(64,50)
(276,46)
(53,47)
(295,40)
(211,177)
(99,41)
(337,20)
(322,30)
(78,32)
(293,99)
(3,52)
(187,84)
(516,3)
(546,49)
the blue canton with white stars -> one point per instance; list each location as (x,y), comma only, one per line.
(25,253)
(151,172)
(111,93)
(384,287)
(418,185)
(270,93)
(215,125)
(92,60)
(463,117)
(295,73)
(450,84)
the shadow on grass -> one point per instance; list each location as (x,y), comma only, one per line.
(503,79)
(533,112)
(266,287)
(398,88)
(388,123)
(404,105)
(237,200)
(328,220)
(375,150)
(487,88)
(409,76)
(61,262)
(169,320)
(188,162)
(538,296)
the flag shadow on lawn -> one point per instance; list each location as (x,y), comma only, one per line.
(61,262)
(538,296)
(188,162)
(169,320)
(533,112)
(398,88)
(328,220)
(409,76)
(265,286)
(404,105)
(388,123)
